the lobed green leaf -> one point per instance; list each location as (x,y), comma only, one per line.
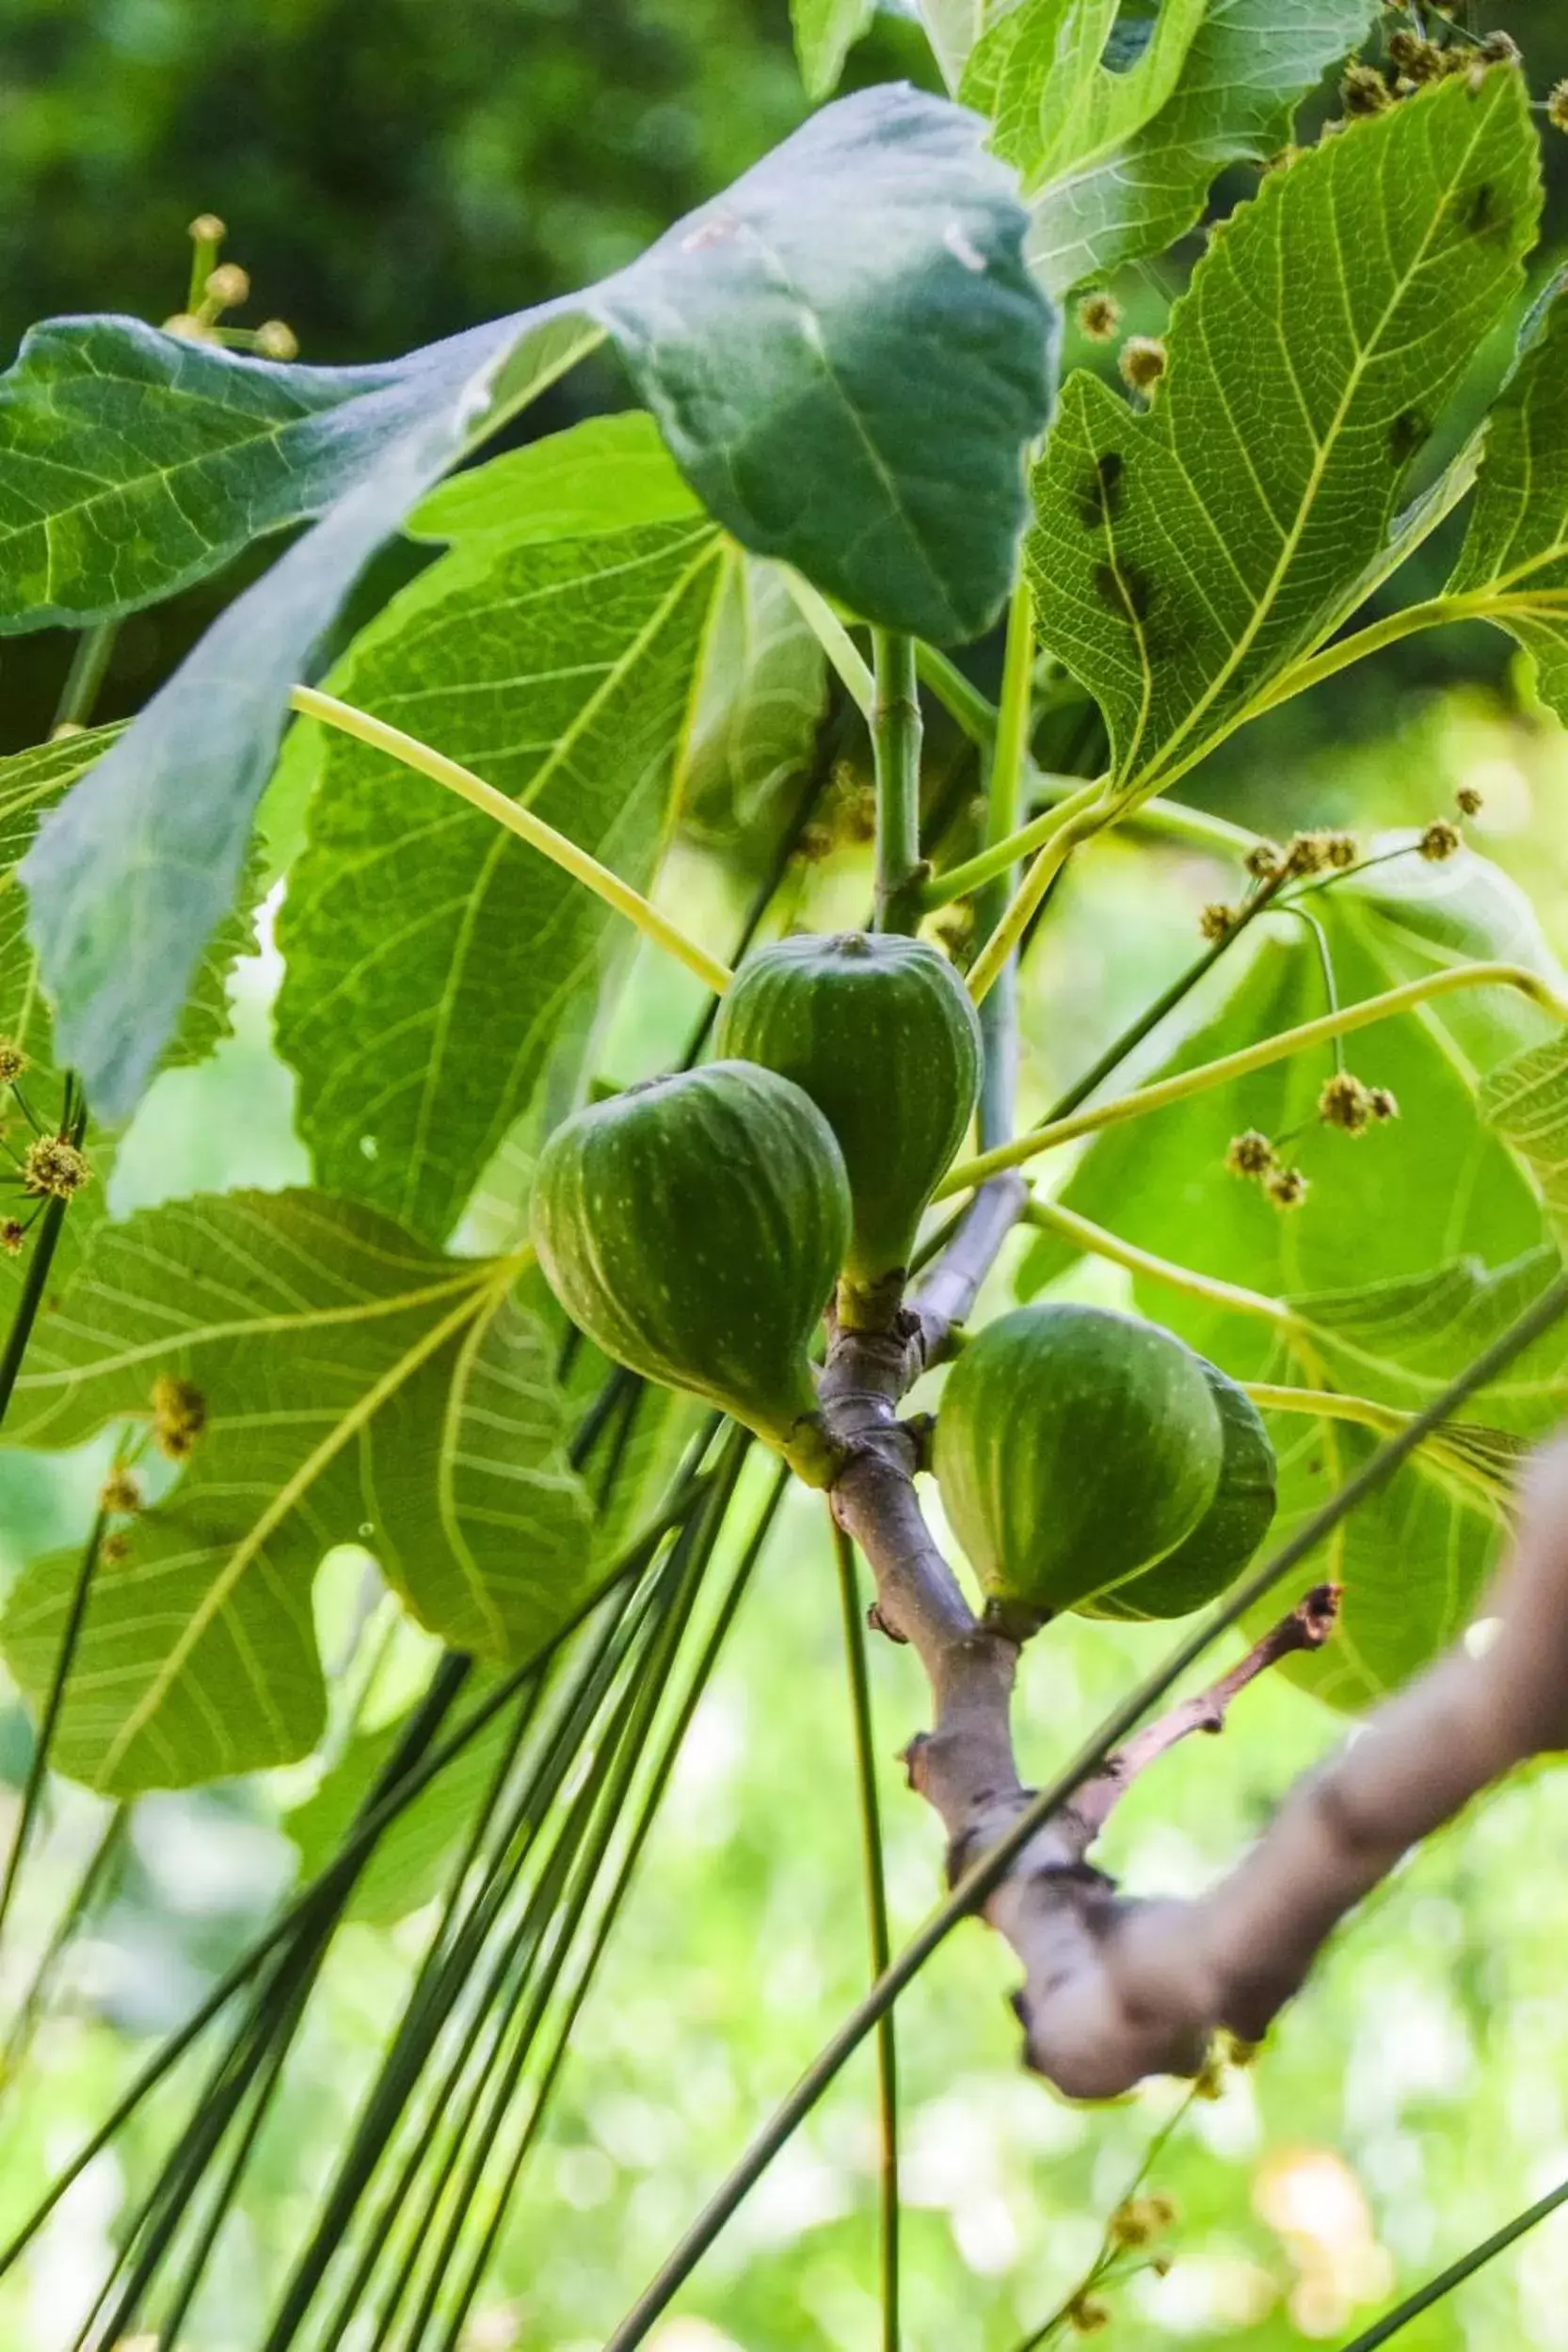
(1183,559)
(354,1386)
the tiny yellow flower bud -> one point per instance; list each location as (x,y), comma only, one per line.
(1250,1155)
(1142,362)
(1417,59)
(1265,862)
(1441,840)
(13,1061)
(1286,1187)
(1217,921)
(1557,107)
(275,340)
(12,1234)
(1099,315)
(1128,2225)
(188,328)
(113,1549)
(1344,1102)
(1382,1103)
(54,1167)
(120,1492)
(1304,853)
(179,1416)
(227,286)
(1087,2314)
(206,228)
(1364,91)
(1340,850)
(1468,801)
(1500,48)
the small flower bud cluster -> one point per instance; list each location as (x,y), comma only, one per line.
(1328,850)
(1099,315)
(120,1492)
(225,287)
(179,1416)
(1346,1102)
(1254,1158)
(1364,91)
(1142,361)
(1557,107)
(1468,801)
(1141,2220)
(53,1168)
(13,1061)
(1217,921)
(1440,840)
(12,1234)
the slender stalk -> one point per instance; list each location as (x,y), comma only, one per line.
(963,702)
(1005,782)
(881,1941)
(76,1912)
(1165,820)
(834,639)
(997,862)
(37,1769)
(1327,1404)
(896,730)
(987,1873)
(84,680)
(35,1279)
(332,1884)
(310,703)
(1393,2322)
(1048,863)
(1259,1057)
(1339,656)
(1054,1217)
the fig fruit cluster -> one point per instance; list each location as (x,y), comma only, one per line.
(697,1227)
(1089,1461)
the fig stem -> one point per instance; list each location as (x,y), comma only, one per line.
(408,749)
(1240,1064)
(1054,1217)
(834,638)
(896,732)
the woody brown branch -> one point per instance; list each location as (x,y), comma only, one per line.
(1052,1907)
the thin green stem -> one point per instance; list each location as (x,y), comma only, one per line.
(1327,1404)
(78,1911)
(329,1886)
(997,862)
(1325,965)
(1163,820)
(985,1875)
(1048,863)
(1302,675)
(963,702)
(1259,1057)
(1053,1217)
(35,1282)
(566,853)
(84,680)
(834,639)
(881,1939)
(896,730)
(998,1011)
(37,1769)
(1391,2324)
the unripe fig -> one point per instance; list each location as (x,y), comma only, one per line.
(1230,1530)
(1075,1448)
(881,1032)
(692,1227)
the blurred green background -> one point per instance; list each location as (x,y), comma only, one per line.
(390,175)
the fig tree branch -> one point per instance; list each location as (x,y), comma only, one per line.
(1153,1975)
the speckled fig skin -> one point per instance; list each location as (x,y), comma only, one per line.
(1075,1448)
(1229,1532)
(693,1227)
(880,1031)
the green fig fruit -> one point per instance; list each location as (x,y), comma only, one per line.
(1229,1532)
(693,1227)
(1075,1448)
(882,1033)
